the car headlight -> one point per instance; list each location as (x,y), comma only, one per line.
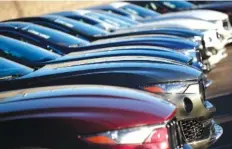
(157,135)
(174,88)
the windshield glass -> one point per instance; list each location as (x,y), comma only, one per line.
(177,4)
(81,27)
(26,52)
(139,11)
(9,69)
(123,18)
(54,36)
(113,21)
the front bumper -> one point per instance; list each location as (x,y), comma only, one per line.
(203,109)
(210,137)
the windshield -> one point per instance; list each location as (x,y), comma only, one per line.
(9,69)
(139,11)
(19,50)
(81,27)
(177,4)
(110,20)
(123,18)
(55,37)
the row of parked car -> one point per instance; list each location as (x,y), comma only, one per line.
(118,75)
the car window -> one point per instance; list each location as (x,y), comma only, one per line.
(55,37)
(139,11)
(22,37)
(177,4)
(17,50)
(81,27)
(10,69)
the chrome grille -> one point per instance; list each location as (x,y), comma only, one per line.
(192,129)
(175,139)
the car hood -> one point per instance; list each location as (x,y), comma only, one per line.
(176,43)
(152,70)
(104,107)
(165,31)
(159,53)
(207,15)
(181,23)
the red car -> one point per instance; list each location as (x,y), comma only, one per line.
(87,117)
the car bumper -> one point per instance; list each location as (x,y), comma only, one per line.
(214,134)
(203,109)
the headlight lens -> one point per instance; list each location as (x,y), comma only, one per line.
(174,88)
(155,134)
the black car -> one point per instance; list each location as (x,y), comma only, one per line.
(140,72)
(151,51)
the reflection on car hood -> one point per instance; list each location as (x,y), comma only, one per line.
(88,105)
(181,23)
(207,15)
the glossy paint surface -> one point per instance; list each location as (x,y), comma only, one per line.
(118,71)
(82,107)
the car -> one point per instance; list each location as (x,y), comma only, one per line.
(69,26)
(21,52)
(26,54)
(221,20)
(86,19)
(91,33)
(180,20)
(61,116)
(152,51)
(46,38)
(184,88)
(32,33)
(173,6)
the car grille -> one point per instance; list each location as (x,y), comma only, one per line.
(175,138)
(226,24)
(192,129)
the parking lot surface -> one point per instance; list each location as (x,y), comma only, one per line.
(220,94)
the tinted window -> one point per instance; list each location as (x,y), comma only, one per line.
(113,21)
(81,27)
(139,11)
(9,68)
(177,4)
(56,37)
(15,49)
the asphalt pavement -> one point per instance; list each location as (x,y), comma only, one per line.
(220,94)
